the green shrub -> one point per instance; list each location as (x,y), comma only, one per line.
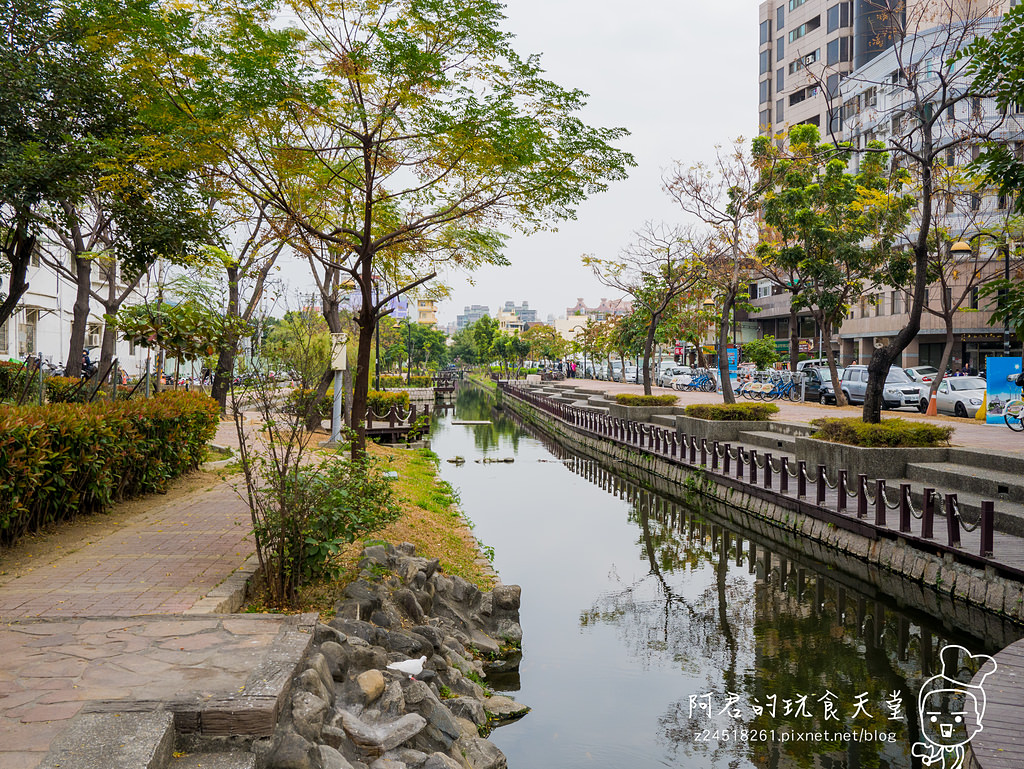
(629,399)
(63,460)
(12,380)
(299,401)
(732,412)
(65,389)
(399,381)
(381,402)
(889,433)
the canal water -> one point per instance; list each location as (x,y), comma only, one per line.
(656,637)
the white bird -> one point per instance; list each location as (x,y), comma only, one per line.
(410,667)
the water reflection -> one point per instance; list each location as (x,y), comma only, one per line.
(728,651)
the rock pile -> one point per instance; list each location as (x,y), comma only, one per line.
(348,711)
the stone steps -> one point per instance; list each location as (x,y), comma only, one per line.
(777,443)
(211,760)
(992,484)
(114,741)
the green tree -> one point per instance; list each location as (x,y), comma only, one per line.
(483,332)
(463,349)
(414,132)
(663,264)
(300,342)
(762,352)
(833,228)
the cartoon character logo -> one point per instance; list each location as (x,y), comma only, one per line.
(951,707)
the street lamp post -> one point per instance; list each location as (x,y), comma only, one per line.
(1006,319)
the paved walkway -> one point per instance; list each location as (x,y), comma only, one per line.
(969,432)
(68,646)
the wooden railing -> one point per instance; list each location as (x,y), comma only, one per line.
(859,504)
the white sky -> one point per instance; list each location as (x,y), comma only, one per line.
(680,75)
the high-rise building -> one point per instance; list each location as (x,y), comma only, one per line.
(807,47)
(522,311)
(471,314)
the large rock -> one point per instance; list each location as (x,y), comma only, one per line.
(482,754)
(308,714)
(468,707)
(407,601)
(373,635)
(392,703)
(432,635)
(387,763)
(380,738)
(336,657)
(371,683)
(309,681)
(441,761)
(503,708)
(292,751)
(332,759)
(441,724)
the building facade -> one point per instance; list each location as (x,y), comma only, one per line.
(426,312)
(470,315)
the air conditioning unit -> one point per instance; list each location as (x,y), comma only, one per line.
(871,101)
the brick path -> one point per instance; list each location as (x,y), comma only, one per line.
(163,561)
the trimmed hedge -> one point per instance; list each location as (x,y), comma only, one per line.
(629,399)
(399,381)
(299,400)
(12,380)
(65,389)
(381,402)
(63,460)
(889,433)
(732,412)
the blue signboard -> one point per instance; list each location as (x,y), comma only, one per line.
(733,356)
(1000,374)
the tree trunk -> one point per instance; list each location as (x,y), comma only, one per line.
(794,337)
(652,329)
(80,316)
(830,356)
(728,395)
(19,256)
(947,352)
(361,380)
(222,375)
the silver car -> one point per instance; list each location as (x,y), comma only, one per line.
(960,396)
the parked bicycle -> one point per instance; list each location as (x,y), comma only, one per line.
(702,380)
(1013,412)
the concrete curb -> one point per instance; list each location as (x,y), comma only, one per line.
(229,595)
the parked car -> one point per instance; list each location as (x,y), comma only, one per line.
(666,376)
(818,384)
(899,389)
(922,374)
(813,363)
(634,374)
(960,396)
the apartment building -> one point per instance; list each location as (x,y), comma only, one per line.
(870,103)
(808,47)
(426,312)
(470,315)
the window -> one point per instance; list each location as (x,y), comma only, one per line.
(949,202)
(975,107)
(975,202)
(794,4)
(951,113)
(27,333)
(798,64)
(780,79)
(764,288)
(5,339)
(34,258)
(765,61)
(838,16)
(808,26)
(780,110)
(766,120)
(975,152)
(880,304)
(895,305)
(839,50)
(780,48)
(973,301)
(1003,202)
(950,157)
(780,17)
(766,91)
(766,31)
(949,297)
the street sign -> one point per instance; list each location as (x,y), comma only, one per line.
(339,351)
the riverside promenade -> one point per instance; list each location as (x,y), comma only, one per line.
(127,635)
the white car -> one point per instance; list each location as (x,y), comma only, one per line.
(666,376)
(960,396)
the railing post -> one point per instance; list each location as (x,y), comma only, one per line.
(784,476)
(753,467)
(640,430)
(952,524)
(862,496)
(928,514)
(904,507)
(727,460)
(820,497)
(879,502)
(703,452)
(739,463)
(675,445)
(714,455)
(841,490)
(801,479)
(767,470)
(987,525)
(369,417)
(693,450)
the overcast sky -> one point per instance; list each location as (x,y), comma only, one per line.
(681,76)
